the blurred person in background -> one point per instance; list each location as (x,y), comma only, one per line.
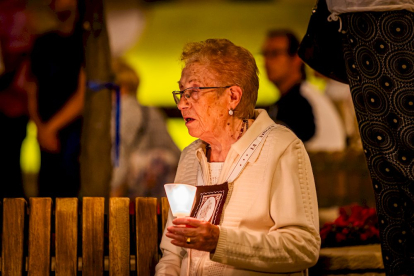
(340,95)
(148,155)
(55,83)
(301,107)
(16,39)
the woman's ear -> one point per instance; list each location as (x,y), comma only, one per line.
(235,96)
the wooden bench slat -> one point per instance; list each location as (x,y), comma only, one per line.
(165,209)
(146,235)
(93,236)
(12,261)
(39,236)
(119,251)
(66,227)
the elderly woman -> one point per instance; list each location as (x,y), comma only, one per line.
(269,223)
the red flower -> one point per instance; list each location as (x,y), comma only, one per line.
(364,236)
(340,237)
(355,225)
(326,229)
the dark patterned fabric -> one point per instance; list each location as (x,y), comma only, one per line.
(379,54)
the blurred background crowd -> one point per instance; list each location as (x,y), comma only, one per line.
(45,98)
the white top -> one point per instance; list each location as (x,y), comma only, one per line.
(215,170)
(340,94)
(330,133)
(337,7)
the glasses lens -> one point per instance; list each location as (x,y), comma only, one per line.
(177,96)
(187,93)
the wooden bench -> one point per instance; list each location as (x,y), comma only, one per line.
(68,236)
(361,260)
(342,178)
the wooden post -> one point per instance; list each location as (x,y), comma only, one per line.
(119,252)
(12,260)
(66,227)
(93,236)
(39,236)
(96,165)
(146,235)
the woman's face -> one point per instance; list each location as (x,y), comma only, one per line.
(205,113)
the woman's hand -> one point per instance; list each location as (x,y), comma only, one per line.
(202,235)
(48,138)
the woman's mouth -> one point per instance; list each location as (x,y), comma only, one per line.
(188,120)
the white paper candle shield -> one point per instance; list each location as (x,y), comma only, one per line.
(181,198)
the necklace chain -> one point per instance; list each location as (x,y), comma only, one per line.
(244,125)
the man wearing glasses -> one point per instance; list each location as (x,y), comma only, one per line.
(308,113)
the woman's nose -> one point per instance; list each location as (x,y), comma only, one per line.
(183,103)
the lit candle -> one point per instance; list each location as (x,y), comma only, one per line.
(180,198)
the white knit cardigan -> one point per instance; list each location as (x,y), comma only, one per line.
(270,222)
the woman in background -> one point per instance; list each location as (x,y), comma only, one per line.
(148,155)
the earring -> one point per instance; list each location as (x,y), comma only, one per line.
(231,112)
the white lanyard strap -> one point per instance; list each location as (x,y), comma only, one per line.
(245,156)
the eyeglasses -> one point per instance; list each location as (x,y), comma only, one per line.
(192,92)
